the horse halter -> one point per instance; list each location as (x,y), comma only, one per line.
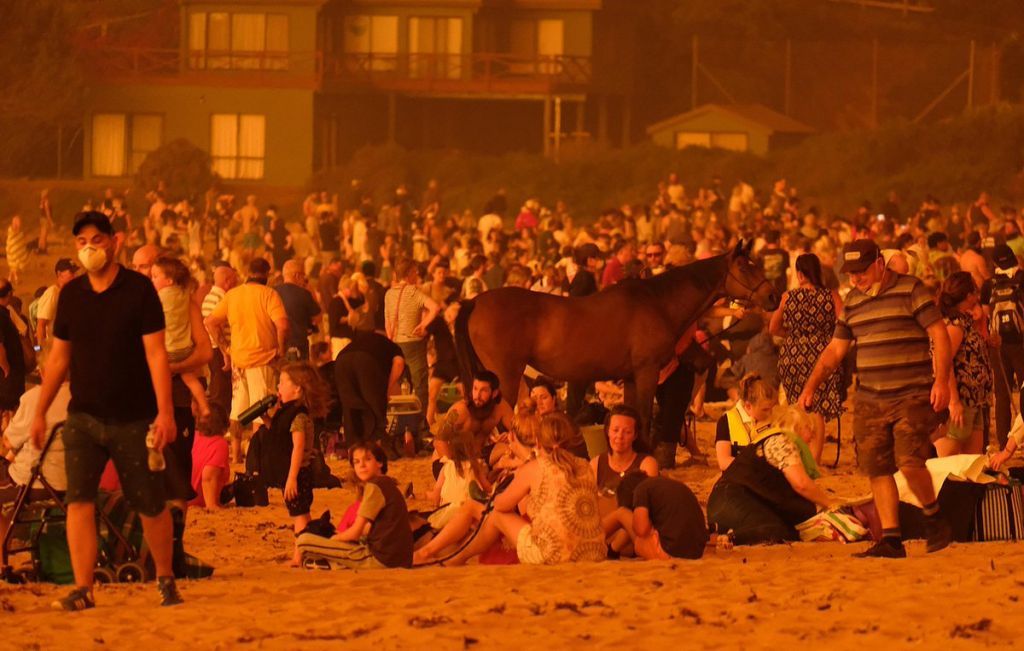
(753,290)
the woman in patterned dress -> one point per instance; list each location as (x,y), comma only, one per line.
(17,249)
(806,318)
(971,379)
(564,524)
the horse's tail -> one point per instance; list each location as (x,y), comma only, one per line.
(469,363)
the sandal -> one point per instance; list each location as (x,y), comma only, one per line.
(77,599)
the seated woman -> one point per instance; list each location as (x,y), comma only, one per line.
(622,457)
(739,426)
(544,396)
(522,438)
(769,488)
(563,525)
(657,519)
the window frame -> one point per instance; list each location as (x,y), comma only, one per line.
(128,167)
(237,158)
(231,59)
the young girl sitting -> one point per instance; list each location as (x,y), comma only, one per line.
(172,281)
(459,469)
(522,438)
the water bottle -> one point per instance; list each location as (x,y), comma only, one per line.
(155,458)
(405,388)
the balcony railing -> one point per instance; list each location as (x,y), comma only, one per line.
(477,72)
(405,72)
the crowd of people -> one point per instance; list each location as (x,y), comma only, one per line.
(188,322)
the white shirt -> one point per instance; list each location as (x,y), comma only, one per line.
(17,435)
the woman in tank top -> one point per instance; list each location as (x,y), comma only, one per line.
(622,457)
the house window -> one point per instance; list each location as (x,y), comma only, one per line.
(733,141)
(539,43)
(372,42)
(146,135)
(435,48)
(239,41)
(238,145)
(120,142)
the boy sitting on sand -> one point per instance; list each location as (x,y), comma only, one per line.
(380,536)
(658,517)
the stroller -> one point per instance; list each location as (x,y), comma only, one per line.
(40,524)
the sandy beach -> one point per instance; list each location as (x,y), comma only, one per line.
(746,598)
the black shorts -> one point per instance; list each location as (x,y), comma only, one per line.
(90,442)
(304,500)
(445,370)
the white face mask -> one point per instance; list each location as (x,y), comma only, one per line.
(92,258)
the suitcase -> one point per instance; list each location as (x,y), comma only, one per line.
(1000,515)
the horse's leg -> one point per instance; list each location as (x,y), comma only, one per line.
(510,377)
(645,383)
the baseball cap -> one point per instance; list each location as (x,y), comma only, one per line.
(65,264)
(858,256)
(1004,257)
(92,218)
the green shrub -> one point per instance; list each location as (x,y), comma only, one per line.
(183,168)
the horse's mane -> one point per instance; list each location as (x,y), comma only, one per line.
(705,273)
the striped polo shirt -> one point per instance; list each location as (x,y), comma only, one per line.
(893,356)
(210,301)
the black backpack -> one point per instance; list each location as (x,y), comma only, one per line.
(1007,317)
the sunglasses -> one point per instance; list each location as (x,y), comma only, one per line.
(655,254)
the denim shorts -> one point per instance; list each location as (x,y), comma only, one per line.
(90,442)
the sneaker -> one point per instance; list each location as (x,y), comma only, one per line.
(883,549)
(169,595)
(77,599)
(938,533)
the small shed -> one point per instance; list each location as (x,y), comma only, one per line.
(737,127)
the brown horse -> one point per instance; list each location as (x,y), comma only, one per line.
(627,332)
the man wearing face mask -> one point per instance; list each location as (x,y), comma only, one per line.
(902,397)
(109,335)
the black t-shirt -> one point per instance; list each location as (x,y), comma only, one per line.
(382,349)
(583,283)
(300,308)
(109,374)
(675,514)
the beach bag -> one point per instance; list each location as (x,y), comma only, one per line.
(250,490)
(829,526)
(1000,515)
(321,472)
(54,556)
(1007,319)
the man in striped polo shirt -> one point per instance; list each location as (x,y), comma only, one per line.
(224,279)
(901,396)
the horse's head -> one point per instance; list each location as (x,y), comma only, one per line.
(745,280)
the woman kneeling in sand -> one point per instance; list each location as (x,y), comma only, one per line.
(518,450)
(769,487)
(564,522)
